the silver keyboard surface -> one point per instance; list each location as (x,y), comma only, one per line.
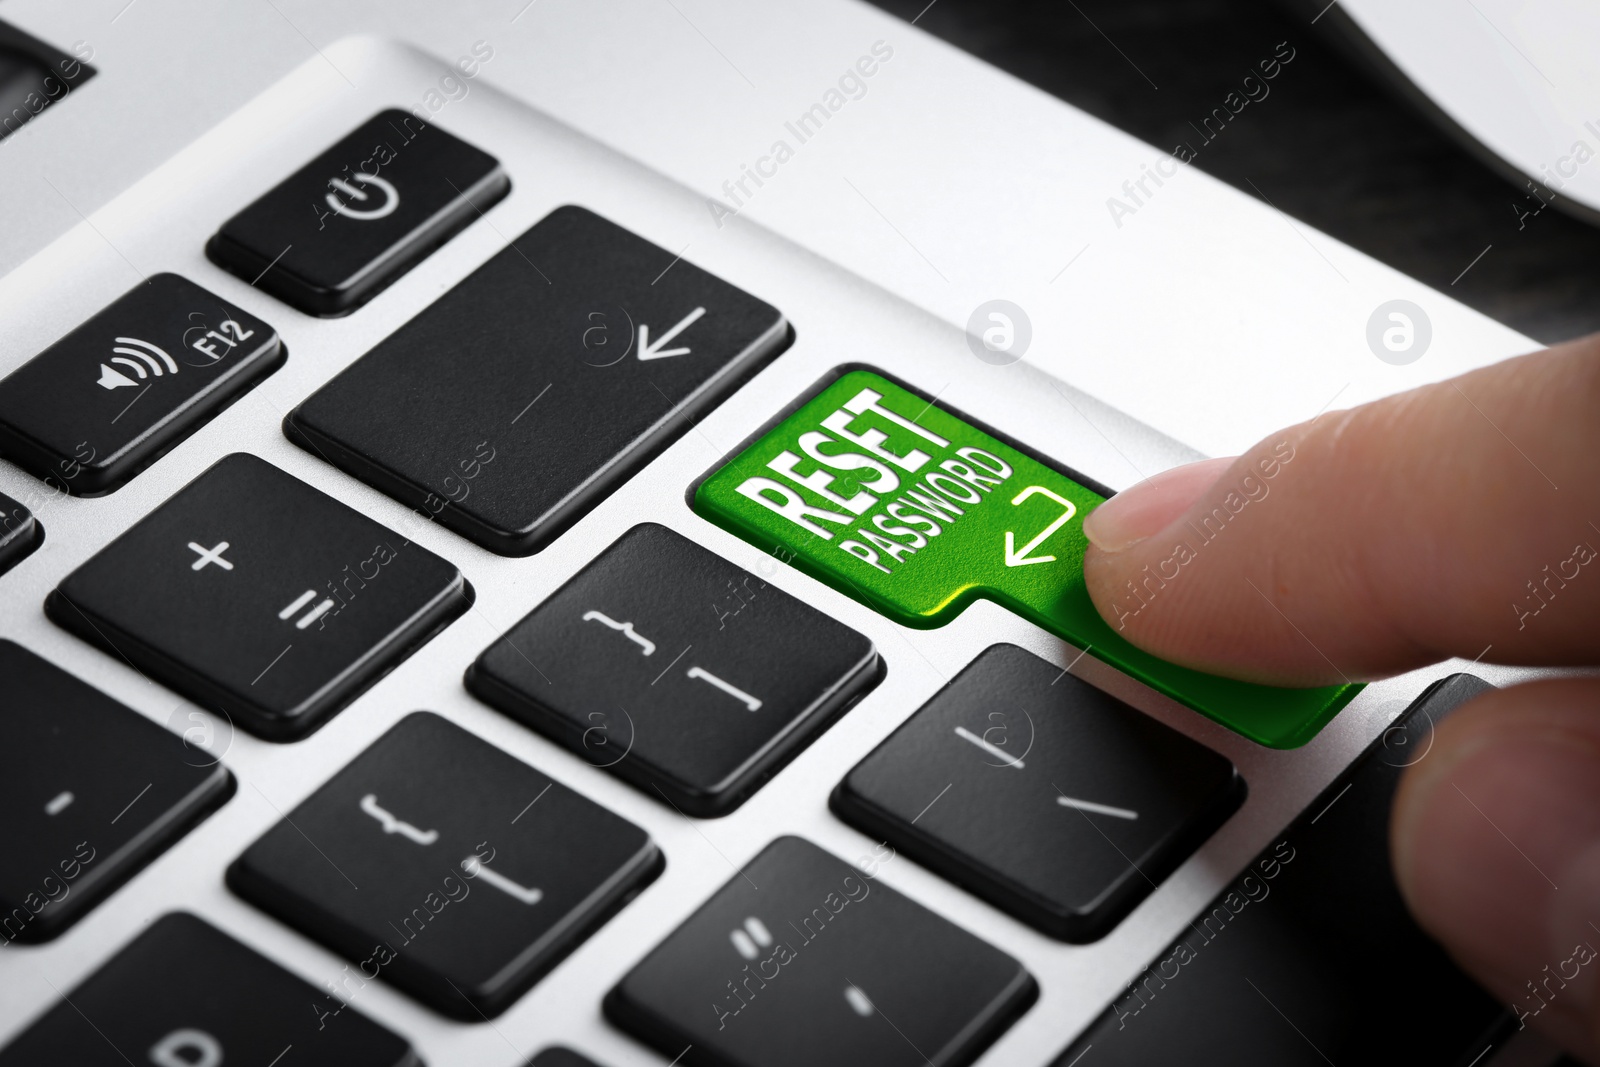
(162,223)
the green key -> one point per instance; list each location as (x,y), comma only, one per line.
(904,506)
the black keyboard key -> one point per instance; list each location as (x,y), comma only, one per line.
(560,1057)
(342,228)
(1042,794)
(1296,962)
(20,533)
(253,594)
(90,792)
(519,399)
(117,393)
(184,994)
(460,874)
(677,671)
(802,959)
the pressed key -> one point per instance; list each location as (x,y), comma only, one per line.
(20,533)
(916,512)
(114,395)
(522,397)
(256,595)
(1052,799)
(90,792)
(677,671)
(456,872)
(342,228)
(801,959)
(1297,962)
(184,994)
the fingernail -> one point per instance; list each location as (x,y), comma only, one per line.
(1151,506)
(1500,858)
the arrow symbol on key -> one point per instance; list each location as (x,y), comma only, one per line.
(1016,558)
(655,350)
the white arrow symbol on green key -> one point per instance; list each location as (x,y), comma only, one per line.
(1015,558)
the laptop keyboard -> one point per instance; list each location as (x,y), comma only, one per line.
(520,393)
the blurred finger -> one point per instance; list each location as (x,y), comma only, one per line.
(1496,846)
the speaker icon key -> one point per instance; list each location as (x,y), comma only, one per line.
(126,385)
(137,356)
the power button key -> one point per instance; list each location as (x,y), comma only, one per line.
(342,228)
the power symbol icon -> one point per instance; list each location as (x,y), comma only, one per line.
(391,196)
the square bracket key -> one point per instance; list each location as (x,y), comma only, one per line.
(258,596)
(677,671)
(457,872)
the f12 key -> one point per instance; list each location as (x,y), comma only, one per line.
(114,395)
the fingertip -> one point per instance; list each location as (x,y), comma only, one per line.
(1144,510)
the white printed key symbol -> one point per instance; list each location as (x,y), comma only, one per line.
(309,617)
(391,196)
(624,628)
(993,750)
(1099,809)
(474,867)
(392,825)
(753,703)
(749,939)
(210,555)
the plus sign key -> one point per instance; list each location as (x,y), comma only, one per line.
(914,511)
(255,595)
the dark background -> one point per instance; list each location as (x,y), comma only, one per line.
(1331,145)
